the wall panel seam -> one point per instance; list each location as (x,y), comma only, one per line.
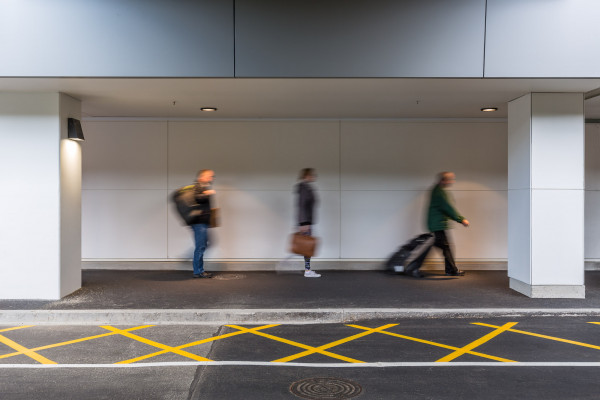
(340,186)
(484,35)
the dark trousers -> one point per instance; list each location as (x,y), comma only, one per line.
(307,259)
(441,242)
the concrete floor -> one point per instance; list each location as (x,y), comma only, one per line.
(111,289)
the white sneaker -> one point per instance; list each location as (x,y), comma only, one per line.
(311,274)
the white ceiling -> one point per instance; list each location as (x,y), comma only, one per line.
(300,98)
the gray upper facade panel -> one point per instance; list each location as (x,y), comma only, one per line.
(117,38)
(300,38)
(542,39)
(356,38)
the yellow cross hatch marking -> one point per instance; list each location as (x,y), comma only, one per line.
(336,343)
(445,346)
(310,349)
(155,344)
(49,346)
(24,350)
(15,328)
(477,343)
(591,346)
(183,346)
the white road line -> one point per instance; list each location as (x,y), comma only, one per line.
(307,365)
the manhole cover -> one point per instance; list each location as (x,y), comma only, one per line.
(228,277)
(325,388)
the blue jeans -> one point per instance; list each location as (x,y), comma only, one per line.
(201,241)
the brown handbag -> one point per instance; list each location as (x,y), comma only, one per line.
(215,218)
(305,245)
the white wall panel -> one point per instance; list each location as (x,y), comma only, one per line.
(408,156)
(124,224)
(592,224)
(557,141)
(257,224)
(519,239)
(592,193)
(519,143)
(256,164)
(70,199)
(254,155)
(557,238)
(539,38)
(175,38)
(375,223)
(487,212)
(125,155)
(353,38)
(592,157)
(30,225)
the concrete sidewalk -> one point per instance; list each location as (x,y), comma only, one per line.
(174,297)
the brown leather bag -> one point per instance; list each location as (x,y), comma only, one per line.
(305,245)
(215,218)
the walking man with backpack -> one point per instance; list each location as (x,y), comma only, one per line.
(202,193)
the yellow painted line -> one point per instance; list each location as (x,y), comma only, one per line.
(24,350)
(183,346)
(477,343)
(155,344)
(15,328)
(296,344)
(591,346)
(597,323)
(445,346)
(333,344)
(50,346)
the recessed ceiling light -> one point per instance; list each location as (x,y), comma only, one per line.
(489,109)
(208,109)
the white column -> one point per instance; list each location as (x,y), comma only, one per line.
(546,195)
(40,206)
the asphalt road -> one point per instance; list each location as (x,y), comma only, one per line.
(490,358)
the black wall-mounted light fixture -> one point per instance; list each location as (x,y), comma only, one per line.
(75,131)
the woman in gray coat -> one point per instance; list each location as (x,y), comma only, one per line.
(306,210)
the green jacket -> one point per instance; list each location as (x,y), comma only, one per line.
(440,210)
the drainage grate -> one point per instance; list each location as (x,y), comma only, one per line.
(228,277)
(325,388)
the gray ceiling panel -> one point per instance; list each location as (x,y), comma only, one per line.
(542,39)
(357,38)
(117,38)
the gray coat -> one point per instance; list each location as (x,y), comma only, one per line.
(306,203)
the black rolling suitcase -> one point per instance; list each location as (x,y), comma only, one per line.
(409,258)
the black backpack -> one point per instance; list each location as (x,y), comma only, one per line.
(185,203)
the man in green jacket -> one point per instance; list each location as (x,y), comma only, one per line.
(440,211)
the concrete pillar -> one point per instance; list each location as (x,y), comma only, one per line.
(40,206)
(546,195)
